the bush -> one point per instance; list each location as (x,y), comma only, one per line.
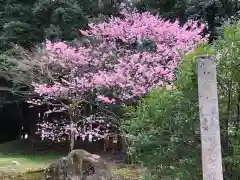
(164,129)
(166,139)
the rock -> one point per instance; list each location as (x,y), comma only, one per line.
(78,165)
(58,170)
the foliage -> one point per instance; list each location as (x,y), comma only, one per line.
(60,19)
(6,67)
(18,24)
(211,12)
(17,71)
(28,23)
(166,114)
(115,66)
(164,130)
(227,52)
(120,66)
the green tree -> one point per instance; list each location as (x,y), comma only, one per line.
(210,11)
(61,20)
(18,26)
(30,22)
(164,130)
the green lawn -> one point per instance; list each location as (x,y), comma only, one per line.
(23,163)
(19,157)
(22,167)
(18,163)
(27,166)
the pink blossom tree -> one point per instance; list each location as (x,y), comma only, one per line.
(116,65)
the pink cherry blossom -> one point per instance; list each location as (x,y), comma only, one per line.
(105,99)
(112,62)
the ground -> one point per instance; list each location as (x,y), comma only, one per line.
(17,163)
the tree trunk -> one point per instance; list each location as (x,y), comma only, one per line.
(72,136)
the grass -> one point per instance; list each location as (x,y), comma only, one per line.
(18,159)
(17,163)
(19,167)
(19,176)
(22,163)
(30,163)
(128,173)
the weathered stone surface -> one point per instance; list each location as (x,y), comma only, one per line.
(78,165)
(59,170)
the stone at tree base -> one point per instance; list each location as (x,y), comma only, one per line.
(68,168)
(58,170)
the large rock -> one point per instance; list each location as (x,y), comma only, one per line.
(78,165)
